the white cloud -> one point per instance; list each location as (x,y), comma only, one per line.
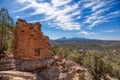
(111,31)
(97,18)
(33,21)
(114,13)
(96,15)
(22,1)
(17,17)
(99,15)
(91,18)
(65,15)
(54,14)
(100,11)
(78,17)
(99,5)
(76,13)
(58,3)
(84,33)
(90,3)
(23,9)
(94,23)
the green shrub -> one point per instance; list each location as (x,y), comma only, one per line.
(98,64)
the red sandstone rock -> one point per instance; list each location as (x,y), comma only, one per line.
(29,41)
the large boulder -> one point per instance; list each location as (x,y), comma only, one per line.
(17,75)
(8,62)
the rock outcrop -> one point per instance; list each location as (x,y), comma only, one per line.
(17,75)
(29,41)
(61,69)
(8,62)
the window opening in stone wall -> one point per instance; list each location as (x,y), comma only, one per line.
(34,31)
(37,52)
(35,39)
(31,35)
(22,30)
(15,47)
(31,28)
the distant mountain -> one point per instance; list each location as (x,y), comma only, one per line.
(73,38)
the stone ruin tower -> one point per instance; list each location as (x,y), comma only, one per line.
(29,41)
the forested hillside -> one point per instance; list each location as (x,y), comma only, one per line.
(101,58)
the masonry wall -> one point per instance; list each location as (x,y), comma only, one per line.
(29,41)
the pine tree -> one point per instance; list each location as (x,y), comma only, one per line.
(6,29)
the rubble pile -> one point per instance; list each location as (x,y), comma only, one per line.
(63,69)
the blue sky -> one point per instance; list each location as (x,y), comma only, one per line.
(94,19)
